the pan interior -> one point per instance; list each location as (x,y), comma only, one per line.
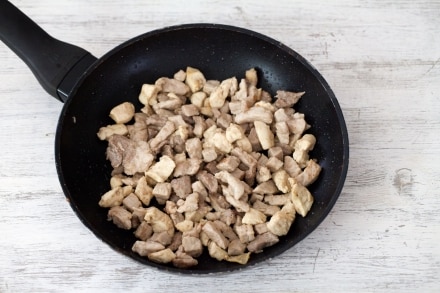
(219,52)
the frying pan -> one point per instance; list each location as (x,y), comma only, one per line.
(91,87)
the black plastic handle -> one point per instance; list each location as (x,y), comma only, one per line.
(55,64)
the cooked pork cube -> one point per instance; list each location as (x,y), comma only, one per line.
(286,99)
(245,233)
(310,173)
(122,113)
(214,233)
(112,198)
(236,247)
(161,237)
(144,248)
(143,231)
(170,85)
(192,246)
(301,198)
(162,256)
(184,261)
(182,186)
(162,169)
(194,79)
(120,217)
(159,220)
(162,191)
(107,131)
(262,241)
(131,202)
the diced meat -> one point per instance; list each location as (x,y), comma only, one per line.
(122,113)
(187,167)
(144,248)
(262,241)
(170,85)
(120,217)
(208,181)
(215,234)
(245,233)
(254,114)
(236,247)
(182,186)
(131,202)
(192,246)
(310,173)
(286,99)
(162,256)
(143,231)
(161,237)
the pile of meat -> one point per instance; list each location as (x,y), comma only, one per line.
(206,164)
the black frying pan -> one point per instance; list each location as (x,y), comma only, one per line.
(90,87)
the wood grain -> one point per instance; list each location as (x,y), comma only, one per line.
(382,59)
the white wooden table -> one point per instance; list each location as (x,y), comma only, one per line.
(382,59)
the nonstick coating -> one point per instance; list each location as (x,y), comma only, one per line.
(219,52)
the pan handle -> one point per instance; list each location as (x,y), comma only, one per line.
(56,65)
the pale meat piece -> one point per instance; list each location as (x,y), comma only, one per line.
(301,197)
(112,198)
(190,110)
(268,210)
(161,237)
(170,85)
(184,261)
(309,174)
(162,169)
(215,251)
(162,256)
(245,233)
(163,134)
(236,247)
(286,99)
(159,220)
(117,145)
(267,187)
(122,113)
(137,158)
(193,147)
(214,233)
(188,167)
(148,94)
(241,258)
(194,79)
(228,164)
(162,192)
(131,202)
(182,186)
(143,191)
(143,231)
(253,217)
(208,180)
(279,224)
(264,134)
(144,248)
(262,241)
(120,217)
(291,166)
(235,186)
(254,114)
(106,132)
(192,246)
